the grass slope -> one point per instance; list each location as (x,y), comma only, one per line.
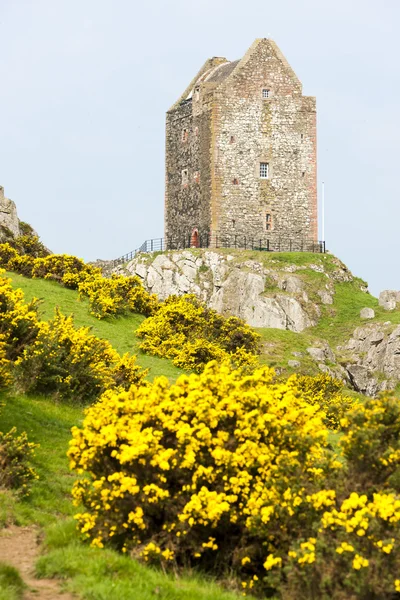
(120,332)
(91,573)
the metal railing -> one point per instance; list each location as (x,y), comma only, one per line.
(217,240)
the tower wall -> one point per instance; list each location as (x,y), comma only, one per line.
(231,129)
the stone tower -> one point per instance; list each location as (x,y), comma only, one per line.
(241,155)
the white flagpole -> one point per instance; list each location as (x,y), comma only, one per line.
(323,211)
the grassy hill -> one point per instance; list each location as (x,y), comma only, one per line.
(90,573)
(95,574)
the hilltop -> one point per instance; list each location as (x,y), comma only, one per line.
(307,307)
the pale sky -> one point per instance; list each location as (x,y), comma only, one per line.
(85,85)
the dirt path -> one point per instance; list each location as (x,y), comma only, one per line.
(19,547)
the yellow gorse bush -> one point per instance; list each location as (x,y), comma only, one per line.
(73,364)
(192,335)
(327,392)
(107,297)
(117,295)
(216,469)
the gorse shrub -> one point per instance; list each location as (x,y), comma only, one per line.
(327,392)
(15,454)
(73,363)
(229,470)
(19,322)
(221,470)
(191,334)
(117,295)
(107,297)
(371,443)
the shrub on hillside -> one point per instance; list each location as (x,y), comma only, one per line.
(191,334)
(18,320)
(73,364)
(355,548)
(221,470)
(117,295)
(15,454)
(58,266)
(371,443)
(327,392)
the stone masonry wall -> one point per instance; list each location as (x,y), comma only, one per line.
(187,206)
(279,130)
(231,129)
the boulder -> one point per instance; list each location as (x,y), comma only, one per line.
(367,313)
(294,364)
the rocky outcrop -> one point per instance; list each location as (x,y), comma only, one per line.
(9,221)
(263,297)
(374,363)
(388,299)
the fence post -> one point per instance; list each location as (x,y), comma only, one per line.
(267,245)
(290,245)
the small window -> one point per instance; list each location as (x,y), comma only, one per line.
(235,181)
(265,93)
(233,222)
(232,140)
(185,135)
(264,170)
(185,177)
(303,173)
(302,137)
(197,93)
(268,222)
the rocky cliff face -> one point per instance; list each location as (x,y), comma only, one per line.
(314,296)
(375,353)
(272,294)
(8,216)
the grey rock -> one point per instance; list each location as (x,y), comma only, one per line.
(8,215)
(367,313)
(292,284)
(375,358)
(388,299)
(294,364)
(316,354)
(231,288)
(326,297)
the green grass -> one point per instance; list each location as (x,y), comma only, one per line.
(48,424)
(11,584)
(91,573)
(119,331)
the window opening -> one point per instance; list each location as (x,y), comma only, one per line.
(185,135)
(185,177)
(268,222)
(265,93)
(264,170)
